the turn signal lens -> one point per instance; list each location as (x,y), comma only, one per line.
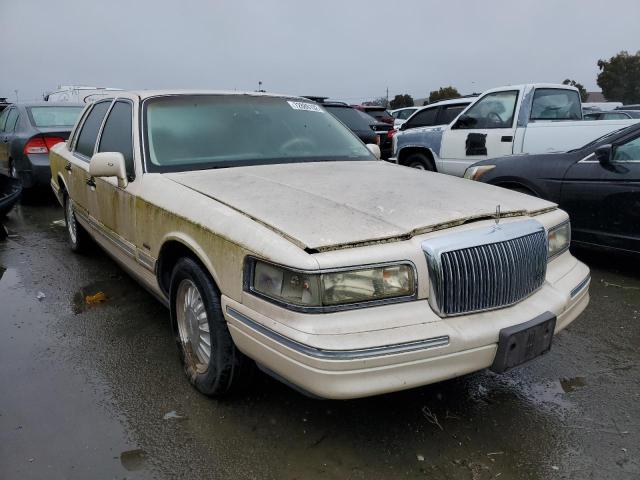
(474,173)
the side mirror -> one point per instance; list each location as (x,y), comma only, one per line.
(603,154)
(375,149)
(109,164)
(464,121)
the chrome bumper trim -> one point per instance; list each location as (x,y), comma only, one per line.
(578,288)
(338,354)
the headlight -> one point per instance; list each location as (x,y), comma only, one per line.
(474,173)
(559,238)
(331,288)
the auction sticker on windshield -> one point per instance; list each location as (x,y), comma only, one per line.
(309,107)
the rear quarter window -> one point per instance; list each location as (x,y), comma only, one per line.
(556,104)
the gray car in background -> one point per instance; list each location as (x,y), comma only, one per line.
(27,132)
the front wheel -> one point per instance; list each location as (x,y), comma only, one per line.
(211,360)
(420,162)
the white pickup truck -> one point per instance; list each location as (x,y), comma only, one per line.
(534,118)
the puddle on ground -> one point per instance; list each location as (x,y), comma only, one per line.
(571,384)
(133,460)
(550,393)
(97,294)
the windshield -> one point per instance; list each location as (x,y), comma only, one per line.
(197,132)
(54,116)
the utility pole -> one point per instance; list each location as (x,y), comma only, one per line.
(16,92)
(387,105)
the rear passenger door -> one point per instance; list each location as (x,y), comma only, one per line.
(4,143)
(81,185)
(6,136)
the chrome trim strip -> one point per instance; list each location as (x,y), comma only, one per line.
(128,248)
(578,288)
(338,354)
(146,260)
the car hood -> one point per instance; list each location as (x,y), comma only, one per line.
(329,205)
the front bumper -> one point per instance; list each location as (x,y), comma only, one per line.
(360,362)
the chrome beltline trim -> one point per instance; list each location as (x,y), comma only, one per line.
(338,354)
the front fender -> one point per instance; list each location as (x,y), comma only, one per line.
(429,138)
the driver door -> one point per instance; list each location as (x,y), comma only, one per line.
(485,130)
(603,201)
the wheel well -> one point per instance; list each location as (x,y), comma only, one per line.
(170,253)
(62,185)
(407,152)
(519,187)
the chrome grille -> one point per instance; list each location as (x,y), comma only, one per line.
(491,274)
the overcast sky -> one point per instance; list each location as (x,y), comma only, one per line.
(347,49)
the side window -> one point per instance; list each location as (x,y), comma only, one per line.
(116,135)
(627,151)
(448,113)
(494,110)
(614,116)
(555,104)
(424,118)
(89,132)
(12,119)
(404,114)
(3,118)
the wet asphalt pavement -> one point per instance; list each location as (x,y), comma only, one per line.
(97,391)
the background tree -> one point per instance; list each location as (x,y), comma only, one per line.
(619,78)
(583,91)
(443,93)
(401,101)
(380,102)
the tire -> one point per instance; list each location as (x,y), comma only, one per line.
(215,369)
(420,161)
(76,235)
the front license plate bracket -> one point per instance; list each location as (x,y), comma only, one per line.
(523,342)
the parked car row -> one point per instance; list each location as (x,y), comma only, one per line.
(277,239)
(535,118)
(27,132)
(598,185)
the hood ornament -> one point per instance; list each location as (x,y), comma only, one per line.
(497,215)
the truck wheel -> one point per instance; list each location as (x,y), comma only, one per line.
(213,364)
(420,161)
(76,234)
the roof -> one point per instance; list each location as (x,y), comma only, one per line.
(48,104)
(158,93)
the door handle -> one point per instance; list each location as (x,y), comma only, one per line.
(91,182)
(507,138)
(67,167)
